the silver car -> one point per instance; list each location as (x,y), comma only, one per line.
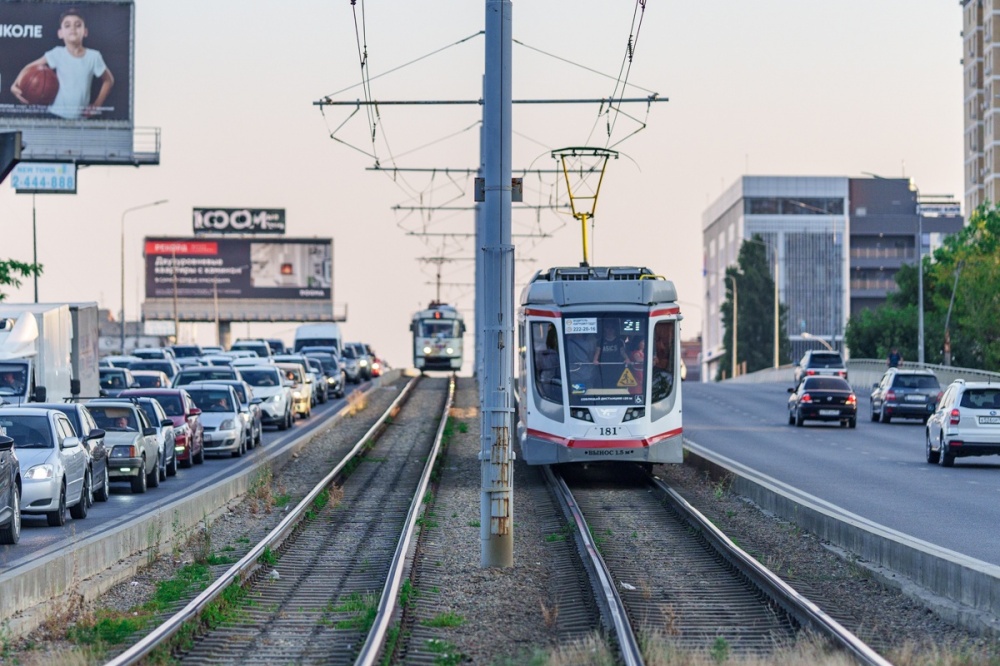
(55,465)
(225,428)
(134,452)
(275,397)
(965,423)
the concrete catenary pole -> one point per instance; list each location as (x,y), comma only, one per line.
(497,327)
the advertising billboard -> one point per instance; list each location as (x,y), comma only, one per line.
(238,220)
(280,269)
(66,64)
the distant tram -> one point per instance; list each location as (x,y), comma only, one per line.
(599,367)
(437,338)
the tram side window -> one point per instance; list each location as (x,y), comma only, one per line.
(545,359)
(664,361)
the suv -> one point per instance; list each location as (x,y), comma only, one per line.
(902,393)
(820,362)
(965,423)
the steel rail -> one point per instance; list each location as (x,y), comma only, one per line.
(390,591)
(804,611)
(243,569)
(609,600)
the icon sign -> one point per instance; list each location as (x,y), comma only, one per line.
(627,380)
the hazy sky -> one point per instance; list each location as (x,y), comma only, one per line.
(775,87)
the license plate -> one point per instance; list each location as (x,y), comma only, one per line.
(989,420)
(829,412)
(915,398)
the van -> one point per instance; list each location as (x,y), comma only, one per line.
(318,335)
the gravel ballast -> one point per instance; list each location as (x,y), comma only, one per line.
(510,614)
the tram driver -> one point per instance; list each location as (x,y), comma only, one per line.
(611,356)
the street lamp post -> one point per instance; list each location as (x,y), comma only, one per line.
(735,321)
(810,336)
(920,288)
(124,213)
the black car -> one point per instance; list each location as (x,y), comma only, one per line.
(93,440)
(907,394)
(823,399)
(10,493)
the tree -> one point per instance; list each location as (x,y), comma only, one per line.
(12,271)
(755,312)
(964,274)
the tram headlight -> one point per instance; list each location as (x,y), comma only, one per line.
(633,413)
(427,350)
(450,350)
(581,414)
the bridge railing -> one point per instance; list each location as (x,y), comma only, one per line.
(864,372)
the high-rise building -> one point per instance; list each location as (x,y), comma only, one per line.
(981,112)
(833,243)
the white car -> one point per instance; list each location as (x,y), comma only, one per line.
(276,398)
(165,435)
(134,452)
(55,465)
(300,382)
(965,423)
(225,428)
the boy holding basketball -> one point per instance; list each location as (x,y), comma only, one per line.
(76,67)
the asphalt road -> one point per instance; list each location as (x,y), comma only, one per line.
(38,539)
(877,471)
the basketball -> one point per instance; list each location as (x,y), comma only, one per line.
(39,85)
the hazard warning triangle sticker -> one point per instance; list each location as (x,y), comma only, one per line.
(627,380)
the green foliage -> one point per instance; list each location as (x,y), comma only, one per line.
(13,271)
(755,312)
(446,619)
(962,276)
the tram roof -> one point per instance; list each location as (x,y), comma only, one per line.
(584,285)
(441,310)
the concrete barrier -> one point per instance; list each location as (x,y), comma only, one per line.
(960,589)
(47,584)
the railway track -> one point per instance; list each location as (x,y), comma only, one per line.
(321,587)
(661,569)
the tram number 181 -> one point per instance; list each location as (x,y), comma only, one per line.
(608,432)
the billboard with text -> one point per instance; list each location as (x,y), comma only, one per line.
(239,268)
(66,64)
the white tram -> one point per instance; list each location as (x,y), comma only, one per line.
(437,338)
(599,367)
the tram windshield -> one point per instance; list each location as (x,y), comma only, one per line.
(439,328)
(606,359)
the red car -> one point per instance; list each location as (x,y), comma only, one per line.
(189,434)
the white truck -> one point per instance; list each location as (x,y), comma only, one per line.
(318,335)
(48,352)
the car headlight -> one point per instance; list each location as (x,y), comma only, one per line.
(124,452)
(276,398)
(228,424)
(362,363)
(41,472)
(296,395)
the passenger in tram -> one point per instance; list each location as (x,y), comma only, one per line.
(547,377)
(638,358)
(611,355)
(580,349)
(663,361)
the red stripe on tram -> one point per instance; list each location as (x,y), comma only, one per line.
(665,311)
(531,312)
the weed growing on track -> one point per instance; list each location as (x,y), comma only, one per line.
(362,607)
(446,619)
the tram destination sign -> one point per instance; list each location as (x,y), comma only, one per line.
(233,221)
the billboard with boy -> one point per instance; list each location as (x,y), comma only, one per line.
(66,64)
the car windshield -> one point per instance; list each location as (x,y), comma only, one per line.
(149,411)
(111,379)
(28,432)
(212,372)
(115,419)
(149,381)
(981,398)
(185,351)
(262,377)
(11,379)
(149,353)
(212,400)
(171,404)
(826,361)
(348,353)
(73,416)
(163,366)
(916,382)
(826,384)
